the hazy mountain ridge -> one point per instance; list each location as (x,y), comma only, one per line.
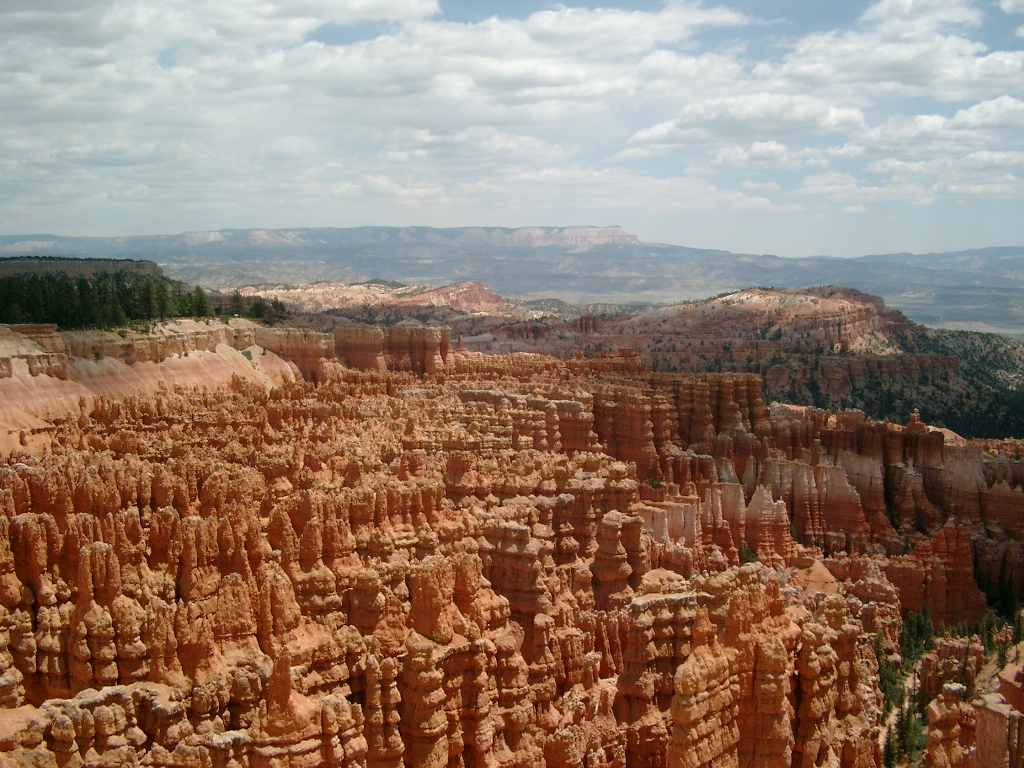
(980,289)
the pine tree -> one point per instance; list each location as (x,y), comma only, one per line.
(902,745)
(178,301)
(236,308)
(258,309)
(889,751)
(147,303)
(87,310)
(277,309)
(200,303)
(118,316)
(102,300)
(927,628)
(163,300)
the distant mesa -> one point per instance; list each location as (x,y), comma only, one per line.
(201,238)
(980,288)
(28,246)
(471,296)
(580,237)
(76,267)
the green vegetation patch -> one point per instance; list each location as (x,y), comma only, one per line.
(101,300)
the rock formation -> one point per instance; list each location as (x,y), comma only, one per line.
(951,725)
(951,660)
(464,560)
(828,347)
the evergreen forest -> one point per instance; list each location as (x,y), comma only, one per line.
(100,300)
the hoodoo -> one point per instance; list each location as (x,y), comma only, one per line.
(401,553)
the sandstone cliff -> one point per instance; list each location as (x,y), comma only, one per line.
(379,570)
(827,347)
(457,559)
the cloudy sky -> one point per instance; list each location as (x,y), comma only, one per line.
(794,127)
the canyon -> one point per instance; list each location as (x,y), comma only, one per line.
(826,347)
(829,347)
(223,544)
(973,290)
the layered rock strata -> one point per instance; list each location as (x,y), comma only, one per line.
(482,561)
(378,570)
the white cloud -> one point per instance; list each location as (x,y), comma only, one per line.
(854,209)
(923,16)
(769,154)
(1005,111)
(607,193)
(908,47)
(183,114)
(1012,6)
(989,159)
(776,113)
(609,31)
(845,188)
(1004,186)
(897,167)
(716,119)
(991,125)
(847,151)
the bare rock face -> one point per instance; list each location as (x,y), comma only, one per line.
(46,374)
(877,604)
(304,347)
(939,575)
(828,346)
(471,296)
(417,348)
(704,727)
(405,347)
(360,346)
(459,560)
(39,348)
(951,660)
(951,726)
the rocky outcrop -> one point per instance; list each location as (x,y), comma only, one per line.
(826,347)
(704,727)
(33,349)
(384,568)
(360,346)
(305,348)
(421,349)
(951,660)
(951,726)
(47,375)
(939,575)
(733,701)
(471,296)
(499,561)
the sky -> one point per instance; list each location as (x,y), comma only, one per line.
(796,127)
